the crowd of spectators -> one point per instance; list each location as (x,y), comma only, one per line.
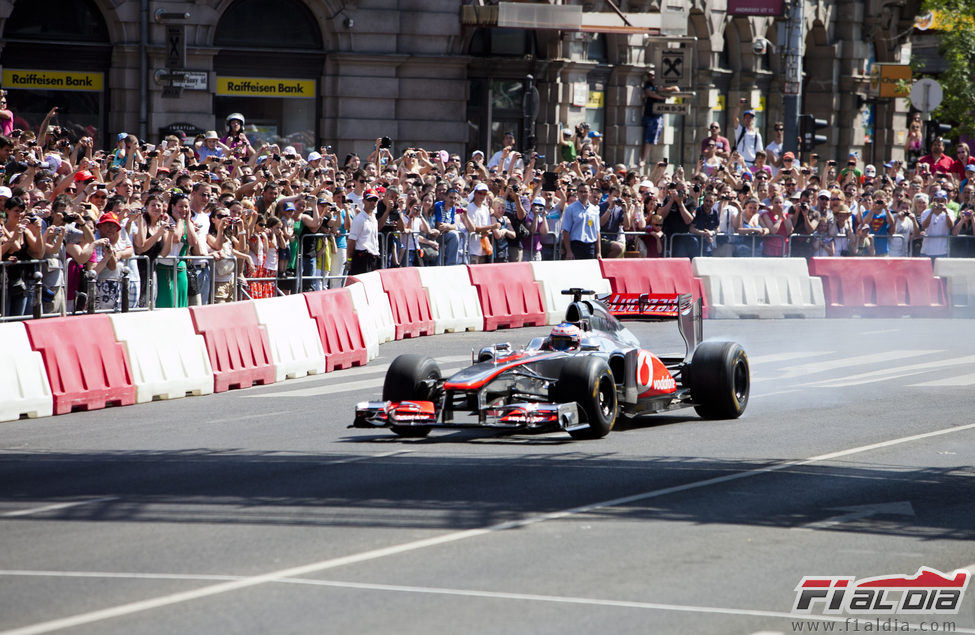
(214,218)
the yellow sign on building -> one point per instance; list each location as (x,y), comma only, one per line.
(890,80)
(265,87)
(52,80)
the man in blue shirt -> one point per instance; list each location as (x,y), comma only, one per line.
(580,227)
(446,222)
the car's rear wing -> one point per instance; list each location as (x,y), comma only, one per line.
(657,307)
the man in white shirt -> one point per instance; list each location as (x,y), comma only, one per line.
(505,154)
(479,223)
(748,140)
(363,238)
(200,222)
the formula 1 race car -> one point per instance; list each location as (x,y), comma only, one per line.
(580,378)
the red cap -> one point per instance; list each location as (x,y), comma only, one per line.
(109,217)
(370,194)
(788,155)
(83,175)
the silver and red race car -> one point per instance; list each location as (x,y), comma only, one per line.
(588,372)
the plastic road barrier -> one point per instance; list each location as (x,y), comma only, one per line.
(296,348)
(509,295)
(408,302)
(959,276)
(238,347)
(760,288)
(24,388)
(369,321)
(453,299)
(554,276)
(167,357)
(654,275)
(880,287)
(378,301)
(87,369)
(338,328)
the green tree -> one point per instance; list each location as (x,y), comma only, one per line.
(956,25)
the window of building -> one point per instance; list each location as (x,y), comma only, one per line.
(56,20)
(262,24)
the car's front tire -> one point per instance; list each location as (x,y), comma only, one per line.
(589,382)
(720,380)
(406,380)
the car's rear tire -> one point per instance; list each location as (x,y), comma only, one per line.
(405,382)
(589,382)
(720,380)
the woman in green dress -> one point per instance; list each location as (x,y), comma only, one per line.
(184,242)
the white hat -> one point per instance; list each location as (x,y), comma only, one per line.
(5,191)
(480,187)
(539,201)
(476,152)
(314,156)
(212,134)
(289,150)
(870,171)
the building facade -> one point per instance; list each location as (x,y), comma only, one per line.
(436,73)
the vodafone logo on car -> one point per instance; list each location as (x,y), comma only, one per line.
(652,376)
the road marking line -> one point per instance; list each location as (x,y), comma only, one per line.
(493,595)
(55,507)
(375,554)
(786,357)
(896,372)
(857,360)
(947,382)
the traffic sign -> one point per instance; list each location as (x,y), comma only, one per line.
(674,68)
(926,95)
(192,80)
(662,108)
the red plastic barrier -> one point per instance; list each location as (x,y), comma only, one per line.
(86,365)
(238,346)
(880,287)
(509,295)
(653,275)
(338,328)
(408,300)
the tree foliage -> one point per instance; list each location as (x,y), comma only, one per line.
(957,31)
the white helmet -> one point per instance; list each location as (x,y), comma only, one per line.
(235,115)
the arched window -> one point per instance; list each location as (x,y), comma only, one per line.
(263,24)
(56,20)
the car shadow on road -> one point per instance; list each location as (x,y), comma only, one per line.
(424,490)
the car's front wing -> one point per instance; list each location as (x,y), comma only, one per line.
(526,416)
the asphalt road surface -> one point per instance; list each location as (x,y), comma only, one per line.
(258,511)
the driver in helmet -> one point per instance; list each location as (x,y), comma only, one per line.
(235,139)
(564,337)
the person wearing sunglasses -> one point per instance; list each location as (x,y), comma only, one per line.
(774,148)
(6,116)
(722,147)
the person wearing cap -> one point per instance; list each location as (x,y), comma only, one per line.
(211,147)
(479,224)
(937,161)
(580,227)
(235,139)
(127,154)
(748,139)
(653,123)
(537,224)
(567,146)
(363,238)
(892,171)
(937,224)
(110,251)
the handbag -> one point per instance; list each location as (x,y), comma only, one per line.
(486,246)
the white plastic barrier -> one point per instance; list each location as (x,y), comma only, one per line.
(368,321)
(168,358)
(24,387)
(959,274)
(454,303)
(554,276)
(760,288)
(296,348)
(380,311)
